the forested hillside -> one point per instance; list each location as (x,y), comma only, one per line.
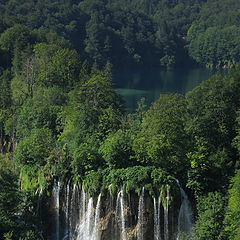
(150,32)
(60,117)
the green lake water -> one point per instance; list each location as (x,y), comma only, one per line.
(134,84)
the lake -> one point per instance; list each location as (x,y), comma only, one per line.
(136,83)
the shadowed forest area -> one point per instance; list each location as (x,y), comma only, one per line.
(60,117)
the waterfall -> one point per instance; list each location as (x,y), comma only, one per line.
(73,208)
(185,222)
(96,234)
(66,211)
(140,234)
(89,220)
(56,203)
(166,220)
(88,228)
(120,205)
(157,218)
(116,212)
(85,216)
(39,192)
(83,201)
(86,224)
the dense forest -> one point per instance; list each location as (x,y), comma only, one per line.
(175,33)
(61,118)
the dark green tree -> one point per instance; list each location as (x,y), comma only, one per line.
(162,140)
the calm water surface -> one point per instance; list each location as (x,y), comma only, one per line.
(134,84)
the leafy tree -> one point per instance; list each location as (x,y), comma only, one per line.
(212,108)
(17,36)
(216,47)
(65,65)
(162,140)
(200,165)
(34,149)
(10,197)
(94,109)
(17,41)
(40,111)
(232,217)
(86,157)
(92,113)
(5,108)
(56,66)
(117,149)
(209,224)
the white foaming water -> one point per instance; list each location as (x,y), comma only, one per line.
(66,210)
(166,220)
(56,203)
(83,218)
(96,232)
(88,228)
(185,222)
(140,235)
(157,217)
(120,206)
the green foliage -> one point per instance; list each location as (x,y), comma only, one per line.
(86,157)
(216,47)
(162,140)
(132,179)
(57,66)
(40,111)
(29,235)
(212,110)
(5,90)
(17,41)
(184,236)
(236,140)
(34,149)
(8,236)
(232,218)
(209,224)
(10,197)
(198,176)
(117,149)
(17,36)
(92,182)
(92,113)
(119,31)
(33,179)
(135,178)
(66,121)
(214,37)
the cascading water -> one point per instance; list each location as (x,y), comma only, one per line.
(88,228)
(73,209)
(85,227)
(96,233)
(166,220)
(56,204)
(39,192)
(136,218)
(120,206)
(140,235)
(157,218)
(83,203)
(185,222)
(66,211)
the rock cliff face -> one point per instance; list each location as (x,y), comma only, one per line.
(74,215)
